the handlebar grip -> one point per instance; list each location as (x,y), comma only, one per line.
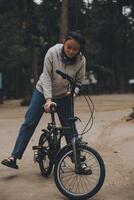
(53,107)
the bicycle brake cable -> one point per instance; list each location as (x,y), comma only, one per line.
(91,109)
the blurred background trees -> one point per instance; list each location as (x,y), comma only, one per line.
(28,28)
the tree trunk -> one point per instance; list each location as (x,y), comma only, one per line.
(34,68)
(63,20)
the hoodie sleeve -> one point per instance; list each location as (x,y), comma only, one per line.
(47,75)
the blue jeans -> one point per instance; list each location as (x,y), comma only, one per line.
(33,116)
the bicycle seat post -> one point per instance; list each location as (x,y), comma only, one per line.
(52,111)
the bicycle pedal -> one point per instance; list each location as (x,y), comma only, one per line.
(37,147)
(82,158)
(83,142)
(84,170)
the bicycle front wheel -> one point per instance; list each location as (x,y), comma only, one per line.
(45,162)
(79,186)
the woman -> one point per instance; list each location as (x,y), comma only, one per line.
(52,88)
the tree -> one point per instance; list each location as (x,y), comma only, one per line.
(64,26)
(28,30)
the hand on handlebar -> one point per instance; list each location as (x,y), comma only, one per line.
(47,105)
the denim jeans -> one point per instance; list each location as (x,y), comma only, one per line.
(33,116)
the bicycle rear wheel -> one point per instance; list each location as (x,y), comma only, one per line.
(45,162)
(79,186)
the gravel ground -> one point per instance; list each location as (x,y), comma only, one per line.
(111,135)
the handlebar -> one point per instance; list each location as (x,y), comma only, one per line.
(69,78)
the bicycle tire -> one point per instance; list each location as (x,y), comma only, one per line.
(62,172)
(45,163)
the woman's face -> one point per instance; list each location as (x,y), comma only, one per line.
(71,48)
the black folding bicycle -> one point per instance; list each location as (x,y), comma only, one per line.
(79,170)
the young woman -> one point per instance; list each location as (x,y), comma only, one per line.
(51,87)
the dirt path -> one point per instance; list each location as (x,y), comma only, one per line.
(110,135)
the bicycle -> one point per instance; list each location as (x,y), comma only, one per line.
(79,170)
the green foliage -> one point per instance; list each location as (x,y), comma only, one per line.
(26,27)
(108,36)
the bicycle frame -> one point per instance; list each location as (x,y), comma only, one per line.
(75,141)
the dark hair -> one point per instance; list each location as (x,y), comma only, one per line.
(78,37)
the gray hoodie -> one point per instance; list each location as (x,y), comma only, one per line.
(51,84)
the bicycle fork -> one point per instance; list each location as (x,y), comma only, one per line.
(76,154)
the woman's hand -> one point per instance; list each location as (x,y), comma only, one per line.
(47,105)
